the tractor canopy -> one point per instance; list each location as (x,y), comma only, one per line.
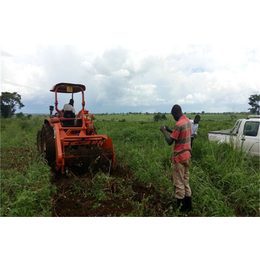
(68,88)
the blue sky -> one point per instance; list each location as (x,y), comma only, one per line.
(138,56)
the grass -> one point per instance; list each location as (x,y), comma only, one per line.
(224,181)
(233,179)
(143,117)
(25,177)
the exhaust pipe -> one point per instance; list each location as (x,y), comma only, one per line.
(51,109)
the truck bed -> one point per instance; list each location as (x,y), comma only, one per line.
(221,132)
(244,135)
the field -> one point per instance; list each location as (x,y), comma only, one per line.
(224,181)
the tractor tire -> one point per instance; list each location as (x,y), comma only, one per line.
(39,141)
(48,144)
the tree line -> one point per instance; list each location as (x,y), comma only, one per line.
(10,102)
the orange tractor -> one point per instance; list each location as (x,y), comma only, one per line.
(66,139)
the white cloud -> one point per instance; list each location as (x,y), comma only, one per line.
(138,95)
(121,73)
(21,77)
(195,76)
(145,54)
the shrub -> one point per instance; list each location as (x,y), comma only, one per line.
(158,117)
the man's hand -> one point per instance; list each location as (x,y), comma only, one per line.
(168,129)
(162,128)
(168,139)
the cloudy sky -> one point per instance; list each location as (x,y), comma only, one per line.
(132,56)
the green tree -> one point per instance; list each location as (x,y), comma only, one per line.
(163,117)
(159,116)
(254,103)
(9,103)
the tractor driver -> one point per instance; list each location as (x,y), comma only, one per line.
(69,107)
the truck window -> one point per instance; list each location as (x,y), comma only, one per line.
(234,130)
(251,128)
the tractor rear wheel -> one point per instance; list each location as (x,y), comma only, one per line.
(39,141)
(48,144)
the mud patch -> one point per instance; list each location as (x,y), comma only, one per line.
(100,195)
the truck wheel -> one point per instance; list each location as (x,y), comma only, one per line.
(48,144)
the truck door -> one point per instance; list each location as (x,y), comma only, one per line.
(235,129)
(235,133)
(250,138)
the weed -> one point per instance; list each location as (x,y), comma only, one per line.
(96,205)
(224,180)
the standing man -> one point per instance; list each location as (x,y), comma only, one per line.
(181,135)
(194,127)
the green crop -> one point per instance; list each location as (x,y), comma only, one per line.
(224,181)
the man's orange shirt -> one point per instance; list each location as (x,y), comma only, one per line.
(182,135)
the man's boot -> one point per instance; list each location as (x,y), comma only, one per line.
(188,204)
(183,206)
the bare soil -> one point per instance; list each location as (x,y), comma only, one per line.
(101,195)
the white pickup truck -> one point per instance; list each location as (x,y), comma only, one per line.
(245,134)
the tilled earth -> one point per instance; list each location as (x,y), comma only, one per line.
(100,194)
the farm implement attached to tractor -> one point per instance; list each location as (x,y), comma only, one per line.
(67,140)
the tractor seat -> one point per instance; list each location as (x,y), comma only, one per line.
(68,114)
